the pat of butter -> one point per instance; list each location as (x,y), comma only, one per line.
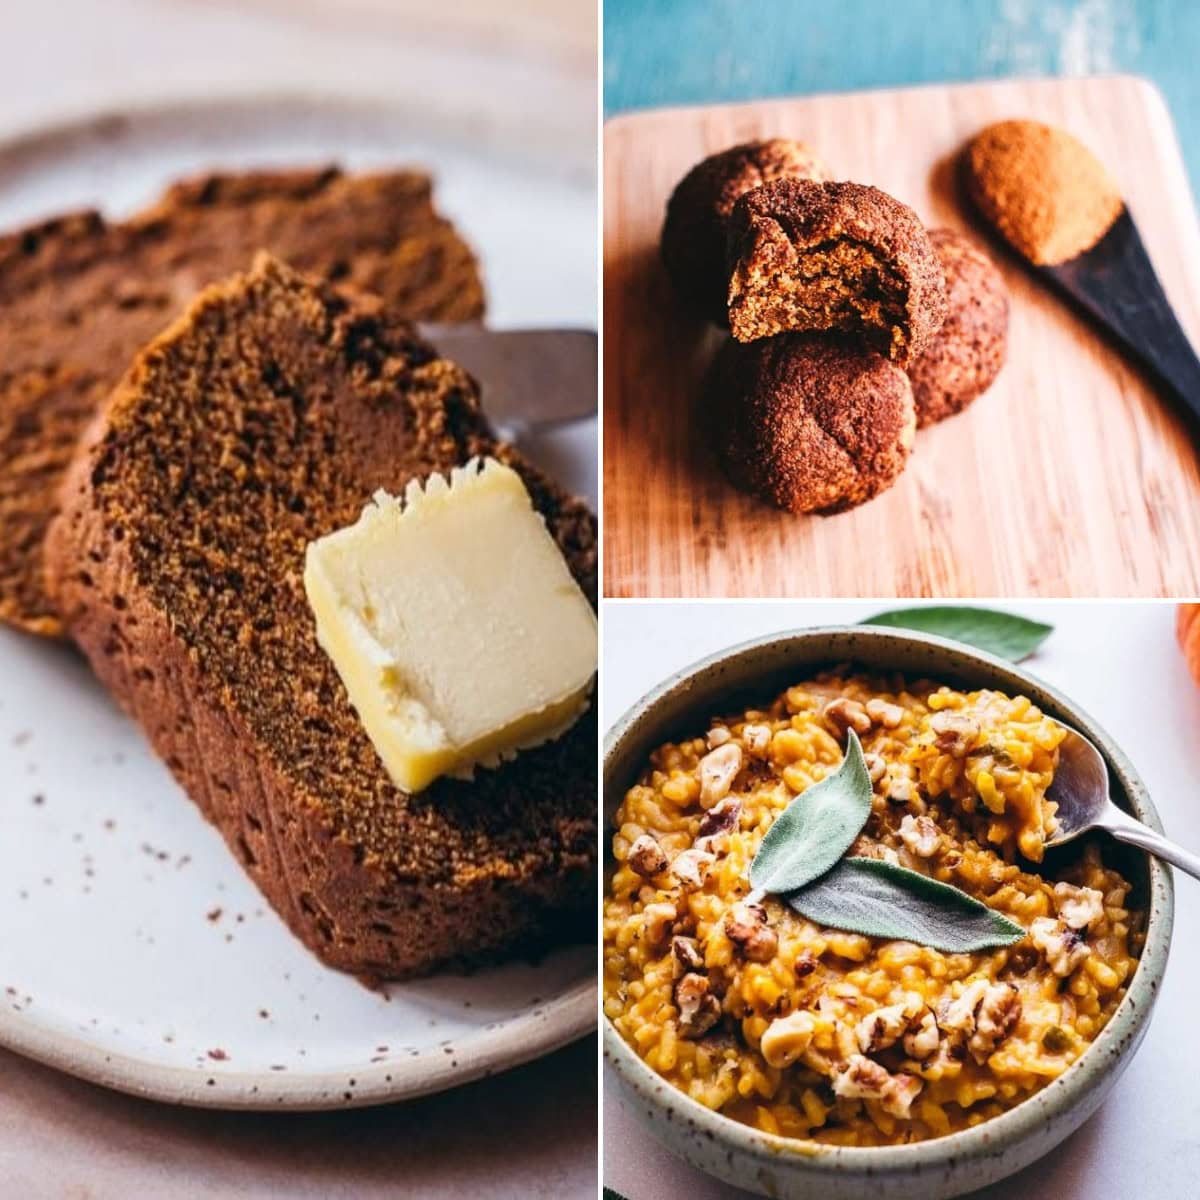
(455,624)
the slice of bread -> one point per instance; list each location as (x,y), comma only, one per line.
(264,418)
(79,297)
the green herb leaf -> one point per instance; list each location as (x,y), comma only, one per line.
(878,899)
(817,828)
(1001,633)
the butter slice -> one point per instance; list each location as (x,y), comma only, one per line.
(455,624)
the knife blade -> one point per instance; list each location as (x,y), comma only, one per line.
(531,379)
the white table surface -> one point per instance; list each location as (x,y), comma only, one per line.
(1121,663)
(523,80)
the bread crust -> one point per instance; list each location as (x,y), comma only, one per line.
(80,296)
(255,724)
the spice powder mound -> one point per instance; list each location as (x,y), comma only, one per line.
(1046,193)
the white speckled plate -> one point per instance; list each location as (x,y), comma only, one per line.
(133,951)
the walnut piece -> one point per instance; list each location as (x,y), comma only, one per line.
(718,735)
(863,1079)
(882,1028)
(699,1009)
(998,1013)
(646,857)
(690,867)
(786,1038)
(721,818)
(1064,947)
(876,766)
(957,1014)
(757,739)
(847,714)
(920,835)
(955,733)
(1078,907)
(921,1042)
(884,713)
(718,769)
(658,918)
(746,927)
(687,953)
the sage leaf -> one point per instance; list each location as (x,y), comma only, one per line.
(1001,633)
(817,828)
(878,899)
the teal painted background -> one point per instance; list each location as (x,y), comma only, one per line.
(660,52)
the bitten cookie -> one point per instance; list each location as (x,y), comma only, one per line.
(809,423)
(833,256)
(693,234)
(968,351)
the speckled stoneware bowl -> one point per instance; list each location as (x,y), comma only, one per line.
(943,1167)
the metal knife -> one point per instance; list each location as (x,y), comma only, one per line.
(531,379)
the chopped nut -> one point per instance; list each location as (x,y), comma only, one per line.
(718,769)
(757,739)
(923,1040)
(884,713)
(805,964)
(1063,946)
(862,1079)
(746,926)
(786,1038)
(920,835)
(998,1012)
(646,857)
(876,766)
(658,918)
(957,1014)
(721,818)
(690,867)
(882,1028)
(847,714)
(718,735)
(687,953)
(955,733)
(899,787)
(699,1009)
(1078,907)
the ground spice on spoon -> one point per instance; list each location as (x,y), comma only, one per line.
(1045,192)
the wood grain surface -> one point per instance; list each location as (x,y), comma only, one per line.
(1071,477)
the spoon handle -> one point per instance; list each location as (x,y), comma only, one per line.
(1126,829)
(1116,283)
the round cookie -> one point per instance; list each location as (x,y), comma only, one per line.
(809,423)
(693,233)
(838,257)
(968,351)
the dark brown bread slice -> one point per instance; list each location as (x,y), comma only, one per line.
(79,297)
(264,418)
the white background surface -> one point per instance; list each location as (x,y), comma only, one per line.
(519,87)
(1120,662)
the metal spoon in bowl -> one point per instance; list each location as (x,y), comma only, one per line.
(1080,789)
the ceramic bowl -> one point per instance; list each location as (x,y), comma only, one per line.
(942,1167)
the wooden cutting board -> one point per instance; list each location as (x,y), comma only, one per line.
(1070,477)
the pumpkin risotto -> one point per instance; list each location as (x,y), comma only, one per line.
(810,1032)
